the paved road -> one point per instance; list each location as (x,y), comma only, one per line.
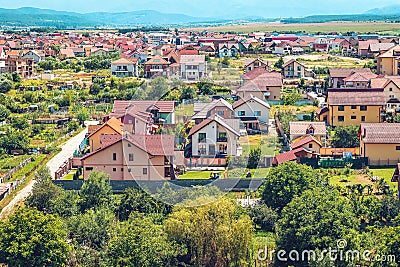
(67,151)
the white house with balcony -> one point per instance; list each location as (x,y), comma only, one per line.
(254,114)
(124,67)
(193,67)
(216,137)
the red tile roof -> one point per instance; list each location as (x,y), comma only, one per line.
(303,141)
(357,97)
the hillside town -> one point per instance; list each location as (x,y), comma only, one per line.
(188,108)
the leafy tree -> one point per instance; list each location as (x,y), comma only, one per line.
(73,125)
(4,113)
(19,123)
(264,217)
(140,242)
(91,229)
(158,87)
(291,99)
(285,118)
(285,182)
(205,88)
(94,89)
(315,220)
(214,234)
(188,92)
(16,77)
(346,136)
(30,238)
(5,85)
(279,63)
(49,198)
(15,140)
(225,62)
(254,158)
(135,200)
(82,116)
(96,191)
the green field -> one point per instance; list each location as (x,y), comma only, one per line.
(343,27)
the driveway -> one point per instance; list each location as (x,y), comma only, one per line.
(67,151)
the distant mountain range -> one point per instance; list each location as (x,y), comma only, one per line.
(36,17)
(28,16)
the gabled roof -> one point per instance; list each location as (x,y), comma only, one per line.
(290,155)
(357,97)
(157,60)
(360,77)
(301,127)
(124,61)
(121,106)
(345,72)
(113,123)
(204,109)
(303,141)
(292,61)
(219,120)
(242,101)
(380,133)
(192,59)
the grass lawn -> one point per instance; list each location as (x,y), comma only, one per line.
(327,27)
(69,176)
(385,173)
(195,175)
(10,162)
(28,168)
(184,110)
(269,145)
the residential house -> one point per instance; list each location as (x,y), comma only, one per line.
(125,67)
(66,53)
(228,49)
(388,62)
(163,112)
(219,107)
(215,137)
(132,157)
(193,67)
(262,84)
(355,106)
(391,90)
(111,127)
(375,49)
(307,142)
(294,69)
(364,46)
(254,114)
(359,80)
(34,55)
(292,155)
(298,129)
(24,66)
(251,64)
(337,75)
(156,66)
(380,143)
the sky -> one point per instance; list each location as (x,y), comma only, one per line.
(210,8)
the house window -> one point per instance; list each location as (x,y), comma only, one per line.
(353,117)
(202,149)
(129,145)
(242,113)
(144,170)
(362,118)
(309,145)
(340,118)
(257,113)
(220,112)
(390,89)
(391,96)
(222,137)
(341,108)
(397,147)
(202,137)
(363,108)
(114,156)
(114,169)
(89,168)
(353,107)
(130,157)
